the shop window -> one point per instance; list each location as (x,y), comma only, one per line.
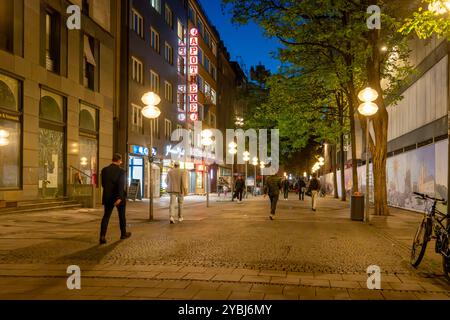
(51,107)
(88,140)
(10,133)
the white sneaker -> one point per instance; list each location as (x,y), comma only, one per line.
(172,221)
(180,219)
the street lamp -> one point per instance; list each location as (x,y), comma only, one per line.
(439,7)
(232,150)
(206,142)
(255,163)
(368,108)
(246,158)
(150,111)
(262,165)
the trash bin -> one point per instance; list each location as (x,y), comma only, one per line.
(357,207)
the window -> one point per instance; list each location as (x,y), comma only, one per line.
(6,25)
(208,38)
(201,27)
(181,65)
(156,4)
(168,16)
(207,64)
(138,70)
(137,119)
(167,129)
(200,56)
(89,66)
(214,72)
(168,91)
(168,53)
(11,132)
(88,141)
(200,84)
(52,40)
(201,114)
(180,30)
(191,14)
(212,120)
(213,96)
(207,88)
(138,23)
(214,48)
(154,82)
(85,7)
(154,40)
(181,103)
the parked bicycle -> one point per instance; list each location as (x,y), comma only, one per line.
(435,225)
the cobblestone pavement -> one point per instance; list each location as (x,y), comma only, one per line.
(227,251)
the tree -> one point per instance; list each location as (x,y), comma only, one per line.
(338,30)
(430,18)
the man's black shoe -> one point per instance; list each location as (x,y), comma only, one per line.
(125,236)
(102,240)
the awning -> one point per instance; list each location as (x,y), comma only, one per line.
(88,52)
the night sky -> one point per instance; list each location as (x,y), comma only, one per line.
(245,43)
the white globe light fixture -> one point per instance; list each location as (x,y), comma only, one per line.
(368,109)
(439,7)
(4,133)
(151,99)
(246,156)
(368,95)
(151,112)
(255,161)
(262,164)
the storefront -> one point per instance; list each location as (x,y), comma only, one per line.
(137,168)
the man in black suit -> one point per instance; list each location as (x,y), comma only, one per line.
(114,195)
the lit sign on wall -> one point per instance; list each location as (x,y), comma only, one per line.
(139,150)
(193,72)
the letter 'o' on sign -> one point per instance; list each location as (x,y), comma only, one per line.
(193,117)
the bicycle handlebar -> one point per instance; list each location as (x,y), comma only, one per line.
(425,196)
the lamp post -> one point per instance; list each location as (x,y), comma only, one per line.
(255,163)
(246,158)
(232,150)
(367,108)
(262,165)
(206,142)
(150,111)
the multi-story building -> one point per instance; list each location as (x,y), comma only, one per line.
(56,97)
(150,35)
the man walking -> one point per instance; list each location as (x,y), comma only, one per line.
(239,189)
(301,189)
(272,188)
(285,185)
(114,195)
(314,186)
(177,188)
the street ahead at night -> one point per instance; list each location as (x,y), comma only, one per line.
(231,251)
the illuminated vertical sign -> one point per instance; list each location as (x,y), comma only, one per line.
(181,90)
(193,72)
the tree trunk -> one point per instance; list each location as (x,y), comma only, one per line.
(340,104)
(334,164)
(352,103)
(378,147)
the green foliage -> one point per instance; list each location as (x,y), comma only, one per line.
(425,23)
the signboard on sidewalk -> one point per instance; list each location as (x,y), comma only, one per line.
(134,190)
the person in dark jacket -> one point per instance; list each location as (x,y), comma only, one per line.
(272,188)
(239,189)
(301,189)
(114,195)
(285,185)
(314,187)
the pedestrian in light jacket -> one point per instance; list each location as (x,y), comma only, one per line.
(177,187)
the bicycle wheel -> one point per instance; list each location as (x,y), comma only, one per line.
(420,242)
(446,259)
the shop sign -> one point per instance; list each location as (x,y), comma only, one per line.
(142,151)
